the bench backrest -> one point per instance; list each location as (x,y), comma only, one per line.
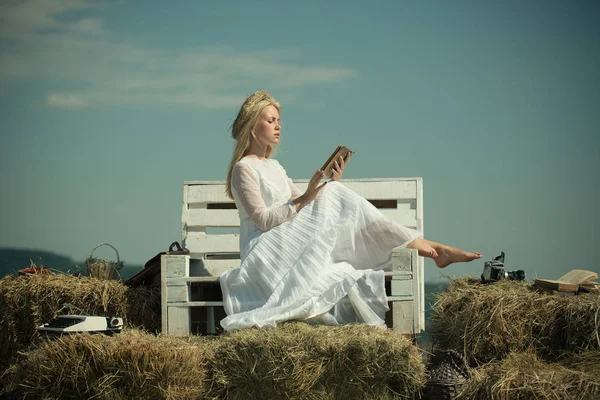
(209,217)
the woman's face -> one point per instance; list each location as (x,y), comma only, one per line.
(266,131)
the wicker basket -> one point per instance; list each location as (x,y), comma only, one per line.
(448,373)
(103,269)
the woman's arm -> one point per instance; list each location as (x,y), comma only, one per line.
(247,191)
(293,188)
(299,199)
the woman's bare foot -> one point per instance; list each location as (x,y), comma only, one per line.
(448,255)
(425,249)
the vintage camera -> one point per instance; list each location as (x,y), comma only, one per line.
(493,271)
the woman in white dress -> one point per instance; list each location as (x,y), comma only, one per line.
(316,256)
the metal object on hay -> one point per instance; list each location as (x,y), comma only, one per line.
(448,373)
(103,269)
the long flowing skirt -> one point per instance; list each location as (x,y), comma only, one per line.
(325,265)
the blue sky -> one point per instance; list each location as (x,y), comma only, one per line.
(106,108)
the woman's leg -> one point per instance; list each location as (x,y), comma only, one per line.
(442,255)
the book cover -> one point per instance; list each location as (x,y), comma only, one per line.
(328,166)
(550,284)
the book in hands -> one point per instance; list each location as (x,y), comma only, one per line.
(327,168)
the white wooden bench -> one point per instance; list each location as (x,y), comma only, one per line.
(191,297)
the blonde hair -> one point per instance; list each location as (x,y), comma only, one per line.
(241,130)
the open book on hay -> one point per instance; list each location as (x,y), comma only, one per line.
(573,281)
(328,166)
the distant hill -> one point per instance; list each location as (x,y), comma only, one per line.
(12,260)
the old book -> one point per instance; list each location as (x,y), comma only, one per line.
(328,166)
(570,282)
(549,284)
(578,276)
(593,287)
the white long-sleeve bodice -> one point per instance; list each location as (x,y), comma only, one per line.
(262,192)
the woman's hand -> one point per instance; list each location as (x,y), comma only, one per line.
(338,167)
(314,187)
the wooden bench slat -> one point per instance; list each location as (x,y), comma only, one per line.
(393,189)
(220,303)
(177,281)
(199,242)
(197,304)
(203,217)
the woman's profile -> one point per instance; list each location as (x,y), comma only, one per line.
(316,256)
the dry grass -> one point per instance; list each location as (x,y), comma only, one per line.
(524,376)
(587,361)
(28,301)
(132,364)
(297,361)
(294,361)
(488,322)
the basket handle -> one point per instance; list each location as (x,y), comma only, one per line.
(106,244)
(175,244)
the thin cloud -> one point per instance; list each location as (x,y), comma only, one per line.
(66,101)
(103,71)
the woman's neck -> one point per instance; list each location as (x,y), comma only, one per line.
(254,156)
(256,153)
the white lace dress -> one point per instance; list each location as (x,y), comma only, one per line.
(323,264)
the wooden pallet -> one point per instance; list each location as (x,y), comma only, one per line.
(191,301)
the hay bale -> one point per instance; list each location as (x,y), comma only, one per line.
(297,360)
(28,301)
(487,322)
(294,360)
(587,361)
(128,365)
(525,376)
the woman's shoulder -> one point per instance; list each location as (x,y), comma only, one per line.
(253,164)
(257,162)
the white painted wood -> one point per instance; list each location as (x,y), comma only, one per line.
(198,242)
(371,189)
(202,279)
(178,266)
(178,321)
(179,272)
(197,304)
(394,275)
(203,217)
(419,292)
(205,267)
(217,218)
(402,260)
(420,279)
(163,294)
(183,213)
(402,287)
(403,317)
(206,270)
(209,193)
(177,293)
(375,190)
(403,291)
(306,180)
